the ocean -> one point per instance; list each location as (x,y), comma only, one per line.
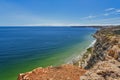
(24,48)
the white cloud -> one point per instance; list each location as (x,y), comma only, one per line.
(106,14)
(110,9)
(89,17)
(118,10)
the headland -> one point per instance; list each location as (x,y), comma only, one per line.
(99,62)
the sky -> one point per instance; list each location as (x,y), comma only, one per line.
(59,12)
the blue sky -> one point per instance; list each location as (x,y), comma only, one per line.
(59,12)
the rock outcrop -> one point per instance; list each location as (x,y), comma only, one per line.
(103,70)
(100,62)
(64,72)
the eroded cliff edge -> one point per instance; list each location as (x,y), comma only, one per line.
(100,62)
(103,60)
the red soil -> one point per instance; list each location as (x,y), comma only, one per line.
(64,72)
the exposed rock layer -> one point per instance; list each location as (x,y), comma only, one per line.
(104,63)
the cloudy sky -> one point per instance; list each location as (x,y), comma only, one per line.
(59,12)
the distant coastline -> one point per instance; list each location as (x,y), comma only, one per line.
(99,27)
(87,26)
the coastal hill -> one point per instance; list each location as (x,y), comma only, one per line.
(100,62)
(107,26)
(88,26)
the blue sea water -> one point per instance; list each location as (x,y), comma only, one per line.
(25,48)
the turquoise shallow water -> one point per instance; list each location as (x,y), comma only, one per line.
(25,48)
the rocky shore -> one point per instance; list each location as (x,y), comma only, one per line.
(100,62)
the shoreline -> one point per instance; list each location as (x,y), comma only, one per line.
(78,57)
(100,62)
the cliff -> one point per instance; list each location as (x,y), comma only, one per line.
(103,62)
(100,62)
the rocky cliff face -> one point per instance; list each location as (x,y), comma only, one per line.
(107,44)
(102,62)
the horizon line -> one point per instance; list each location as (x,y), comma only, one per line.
(68,25)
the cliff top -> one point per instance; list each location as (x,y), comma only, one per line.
(64,72)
